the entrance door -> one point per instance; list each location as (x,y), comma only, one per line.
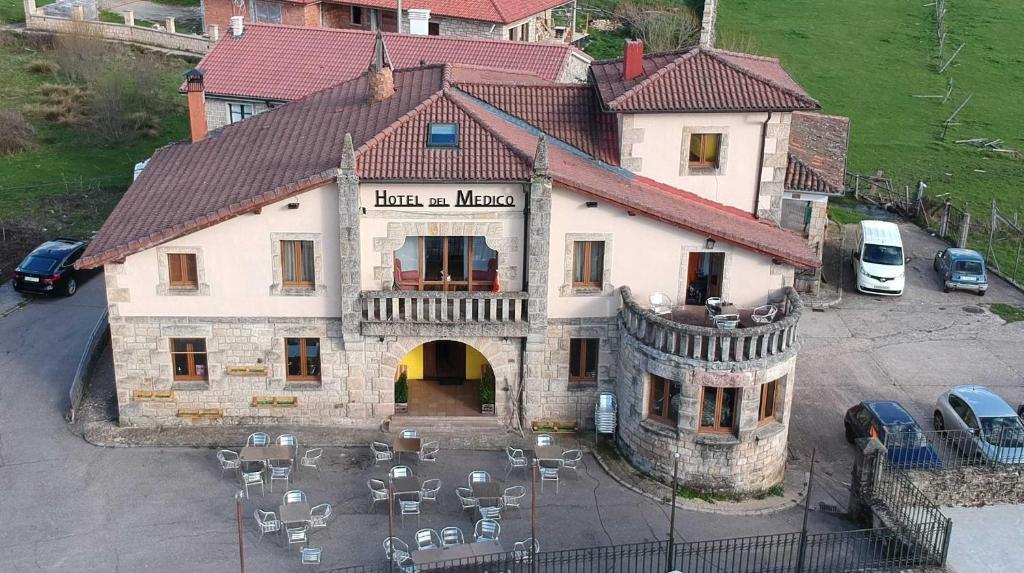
(445,361)
(705,273)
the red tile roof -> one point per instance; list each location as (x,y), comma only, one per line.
(276,154)
(571,113)
(817,158)
(287,63)
(501,11)
(700,80)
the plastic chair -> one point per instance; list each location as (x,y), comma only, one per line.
(513,496)
(516,460)
(661,303)
(571,459)
(229,460)
(378,492)
(267,522)
(428,452)
(381,452)
(764,314)
(486,530)
(466,498)
(430,489)
(318,516)
(311,459)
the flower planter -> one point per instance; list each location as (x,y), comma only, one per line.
(554,427)
(487,409)
(401,408)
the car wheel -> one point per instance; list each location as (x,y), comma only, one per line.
(849,434)
(946,289)
(937,422)
(70,287)
(982,292)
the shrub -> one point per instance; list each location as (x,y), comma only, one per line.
(487,387)
(16,133)
(46,67)
(402,389)
(660,25)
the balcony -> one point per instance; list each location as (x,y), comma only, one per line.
(440,314)
(687,334)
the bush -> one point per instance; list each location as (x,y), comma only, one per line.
(46,67)
(16,133)
(487,387)
(61,103)
(660,25)
(402,389)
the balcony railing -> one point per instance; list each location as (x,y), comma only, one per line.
(710,344)
(467,313)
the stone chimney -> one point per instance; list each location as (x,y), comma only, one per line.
(196,104)
(382,79)
(707,25)
(633,61)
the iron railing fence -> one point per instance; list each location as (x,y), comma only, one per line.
(955,449)
(902,502)
(880,549)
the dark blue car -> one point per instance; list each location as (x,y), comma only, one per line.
(896,428)
(961,269)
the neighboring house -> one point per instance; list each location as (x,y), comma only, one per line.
(515,20)
(268,65)
(442,223)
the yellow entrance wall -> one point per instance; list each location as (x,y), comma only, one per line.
(413,363)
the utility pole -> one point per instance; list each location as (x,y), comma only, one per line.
(672,514)
(238,518)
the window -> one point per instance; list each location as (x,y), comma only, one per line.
(357,16)
(181,271)
(704,148)
(769,402)
(266,12)
(303,359)
(297,264)
(433,29)
(442,135)
(188,358)
(588,264)
(583,359)
(663,405)
(446,263)
(239,111)
(512,34)
(718,409)
(524,32)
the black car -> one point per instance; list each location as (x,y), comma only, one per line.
(890,422)
(50,268)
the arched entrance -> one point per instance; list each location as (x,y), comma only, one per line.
(444,378)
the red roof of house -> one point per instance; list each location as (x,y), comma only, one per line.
(295,147)
(698,79)
(817,157)
(501,11)
(287,63)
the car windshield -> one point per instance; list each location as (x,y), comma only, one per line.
(883,254)
(41,265)
(1005,431)
(907,436)
(968,267)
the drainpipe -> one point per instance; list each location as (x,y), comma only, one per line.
(760,165)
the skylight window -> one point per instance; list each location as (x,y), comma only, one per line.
(442,135)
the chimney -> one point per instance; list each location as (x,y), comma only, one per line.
(382,79)
(707,25)
(237,27)
(196,104)
(633,62)
(419,21)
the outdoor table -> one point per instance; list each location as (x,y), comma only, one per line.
(263,453)
(407,445)
(405,486)
(293,513)
(546,453)
(464,551)
(489,492)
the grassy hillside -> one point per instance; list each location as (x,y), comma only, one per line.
(867,58)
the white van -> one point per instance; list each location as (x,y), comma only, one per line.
(878,259)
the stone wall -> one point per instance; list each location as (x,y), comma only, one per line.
(971,486)
(575,70)
(773,167)
(752,459)
(567,401)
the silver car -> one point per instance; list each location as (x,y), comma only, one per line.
(998,432)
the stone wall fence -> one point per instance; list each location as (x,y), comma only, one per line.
(167,39)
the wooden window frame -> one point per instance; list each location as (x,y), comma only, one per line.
(303,357)
(446,285)
(773,388)
(703,162)
(582,359)
(296,255)
(587,268)
(189,262)
(718,428)
(190,354)
(352,16)
(663,417)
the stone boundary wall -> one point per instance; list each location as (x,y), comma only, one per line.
(189,43)
(971,486)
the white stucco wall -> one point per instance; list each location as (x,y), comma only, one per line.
(648,256)
(657,146)
(382,228)
(236,264)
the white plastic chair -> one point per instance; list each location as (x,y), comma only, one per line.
(229,460)
(430,489)
(764,314)
(466,498)
(486,530)
(427,539)
(513,497)
(661,303)
(516,460)
(318,516)
(311,459)
(378,492)
(571,459)
(267,522)
(428,452)
(381,452)
(451,536)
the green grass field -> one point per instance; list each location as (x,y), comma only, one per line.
(866,59)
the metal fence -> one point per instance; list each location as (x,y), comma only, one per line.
(954,449)
(880,549)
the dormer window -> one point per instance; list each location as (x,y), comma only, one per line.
(442,135)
